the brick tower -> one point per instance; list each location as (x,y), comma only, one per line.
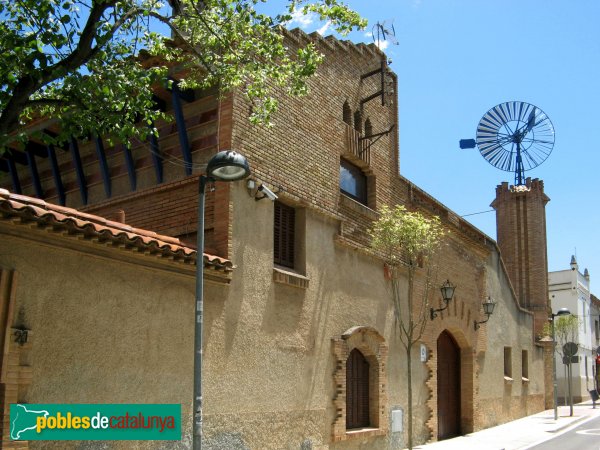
(521,225)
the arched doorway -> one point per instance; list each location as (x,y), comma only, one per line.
(448,387)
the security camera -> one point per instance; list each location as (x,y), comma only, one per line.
(268,193)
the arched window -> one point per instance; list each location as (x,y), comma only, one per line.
(357,390)
(368,128)
(347,113)
(360,397)
(358,120)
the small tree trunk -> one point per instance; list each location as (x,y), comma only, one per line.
(410,401)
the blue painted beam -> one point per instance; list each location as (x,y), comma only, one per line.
(33,171)
(103,166)
(12,168)
(130,163)
(81,181)
(181,129)
(60,189)
(157,159)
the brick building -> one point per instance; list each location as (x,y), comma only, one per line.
(300,348)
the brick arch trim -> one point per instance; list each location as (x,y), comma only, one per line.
(373,346)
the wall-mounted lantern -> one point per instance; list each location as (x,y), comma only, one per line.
(488,309)
(447,291)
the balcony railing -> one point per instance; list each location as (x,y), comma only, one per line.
(356,147)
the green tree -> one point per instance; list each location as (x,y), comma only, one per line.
(408,242)
(566,329)
(90,64)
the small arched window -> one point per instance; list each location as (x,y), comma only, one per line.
(357,390)
(347,113)
(358,120)
(368,128)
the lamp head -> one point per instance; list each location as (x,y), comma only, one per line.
(447,290)
(228,165)
(488,306)
(563,312)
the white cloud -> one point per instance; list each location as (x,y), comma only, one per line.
(324,28)
(302,20)
(382,45)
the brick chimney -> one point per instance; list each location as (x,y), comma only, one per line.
(521,228)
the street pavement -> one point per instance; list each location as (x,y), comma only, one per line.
(522,433)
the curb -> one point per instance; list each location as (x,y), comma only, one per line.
(573,422)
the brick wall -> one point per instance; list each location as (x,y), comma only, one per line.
(301,152)
(521,224)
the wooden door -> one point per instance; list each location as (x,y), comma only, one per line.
(448,382)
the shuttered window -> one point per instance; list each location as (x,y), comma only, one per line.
(357,391)
(284,235)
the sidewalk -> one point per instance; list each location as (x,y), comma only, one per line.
(520,434)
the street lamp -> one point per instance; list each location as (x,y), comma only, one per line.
(560,312)
(226,165)
(447,290)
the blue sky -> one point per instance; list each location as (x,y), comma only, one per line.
(456,59)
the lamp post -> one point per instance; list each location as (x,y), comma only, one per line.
(226,165)
(447,290)
(560,312)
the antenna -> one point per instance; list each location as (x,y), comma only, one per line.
(384,31)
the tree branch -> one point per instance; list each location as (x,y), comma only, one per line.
(168,22)
(83,53)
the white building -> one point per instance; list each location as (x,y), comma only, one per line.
(595,313)
(571,289)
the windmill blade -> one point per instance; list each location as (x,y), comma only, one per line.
(531,120)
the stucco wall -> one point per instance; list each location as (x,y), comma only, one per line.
(275,340)
(510,326)
(104,331)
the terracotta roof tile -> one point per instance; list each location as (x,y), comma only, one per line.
(29,209)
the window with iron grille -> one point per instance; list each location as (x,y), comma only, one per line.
(357,390)
(284,235)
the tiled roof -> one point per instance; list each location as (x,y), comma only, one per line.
(88,226)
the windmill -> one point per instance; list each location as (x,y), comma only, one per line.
(515,137)
(384,31)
